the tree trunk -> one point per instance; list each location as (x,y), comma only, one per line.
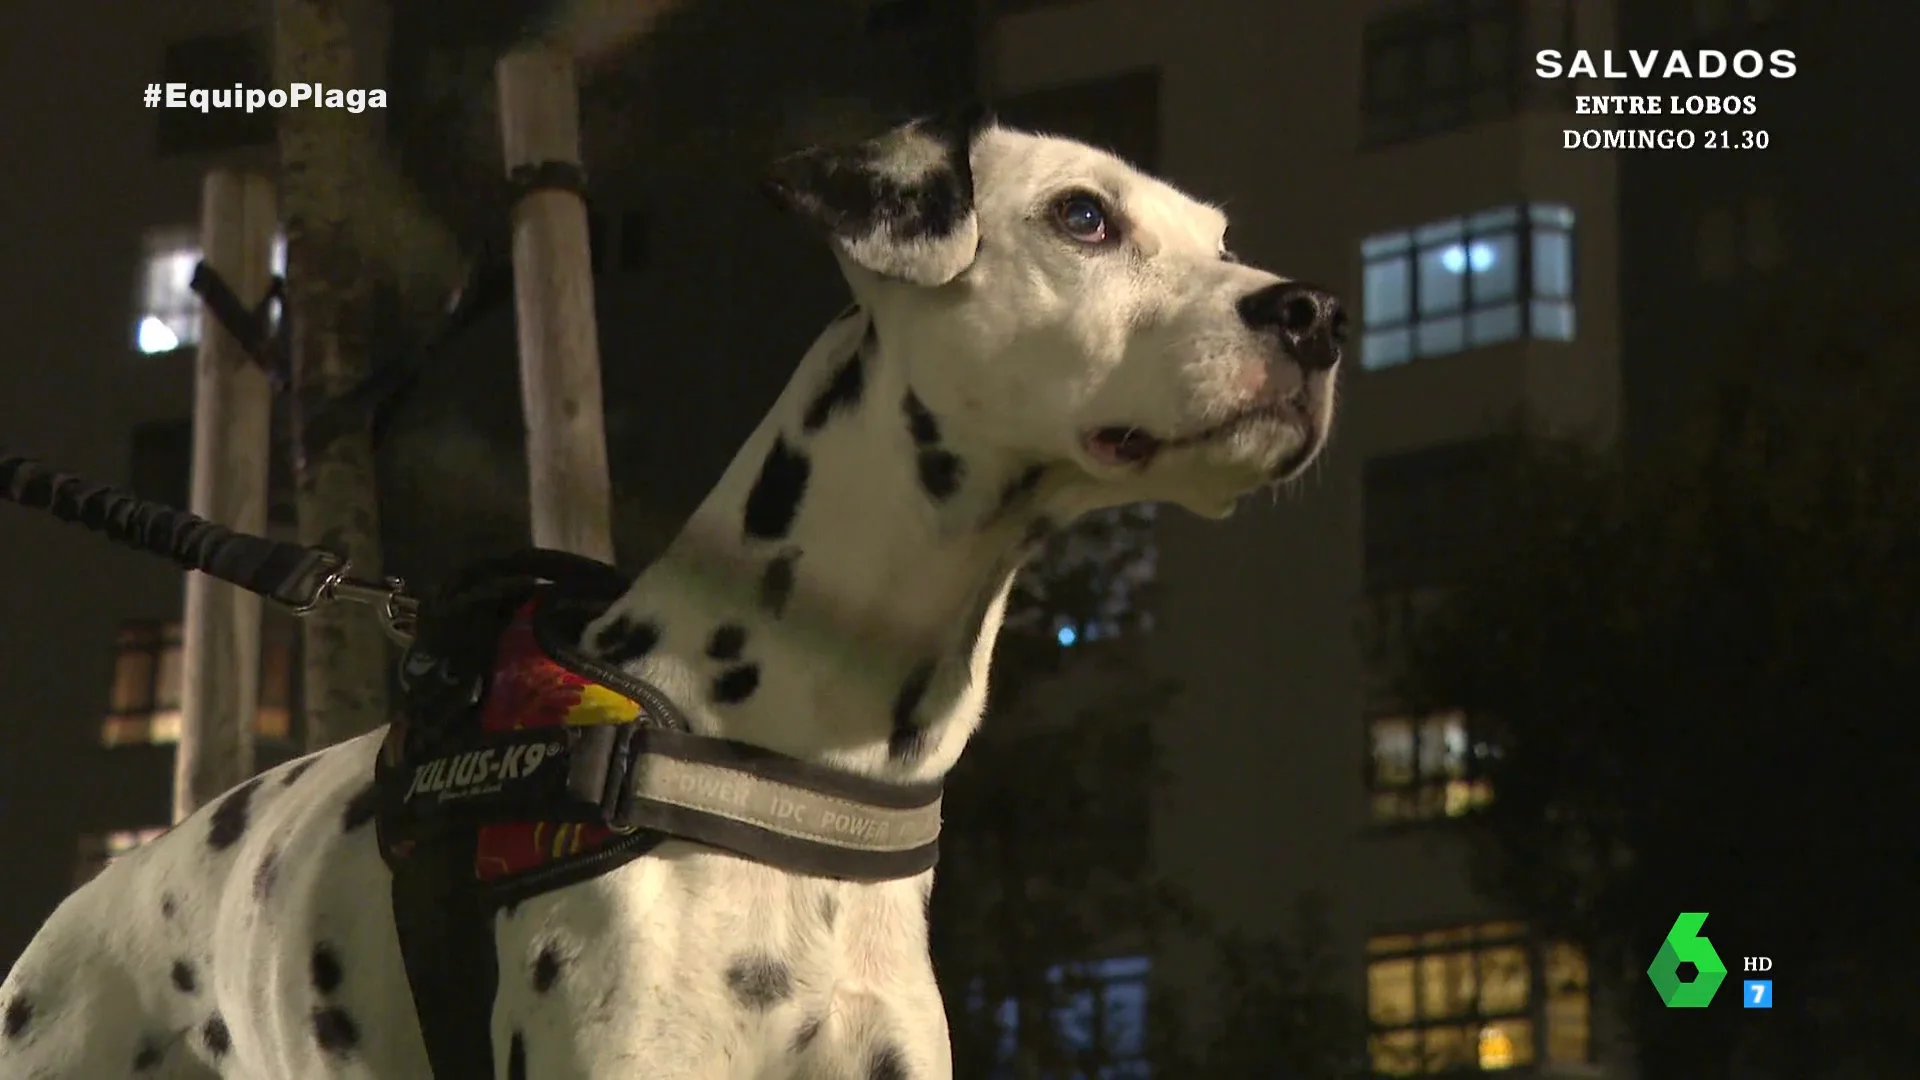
(232,410)
(553,293)
(324,162)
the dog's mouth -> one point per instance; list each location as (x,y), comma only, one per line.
(1119,447)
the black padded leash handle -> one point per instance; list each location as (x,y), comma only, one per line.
(287,573)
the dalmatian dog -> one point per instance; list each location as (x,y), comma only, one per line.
(1040,331)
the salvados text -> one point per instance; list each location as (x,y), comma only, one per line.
(1665,64)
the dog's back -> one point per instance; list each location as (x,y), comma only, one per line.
(255,939)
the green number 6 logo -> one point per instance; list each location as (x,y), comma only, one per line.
(1684,945)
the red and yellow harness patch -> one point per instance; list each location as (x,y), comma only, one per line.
(530,689)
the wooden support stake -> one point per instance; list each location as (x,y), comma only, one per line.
(232,408)
(553,306)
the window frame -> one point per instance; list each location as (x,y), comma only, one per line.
(181,311)
(1527,223)
(1475,942)
(1092,983)
(1421,108)
(146,718)
(1430,792)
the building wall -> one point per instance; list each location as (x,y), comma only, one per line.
(84,187)
(1258,111)
(1825,200)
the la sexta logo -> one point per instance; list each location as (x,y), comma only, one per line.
(1686,945)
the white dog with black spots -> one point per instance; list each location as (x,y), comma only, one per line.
(1040,330)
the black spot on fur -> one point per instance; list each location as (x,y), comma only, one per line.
(840,188)
(229,821)
(168,906)
(546,969)
(841,394)
(807,1032)
(517,1057)
(829,909)
(940,473)
(361,808)
(325,970)
(297,770)
(736,684)
(265,874)
(905,740)
(1020,488)
(775,499)
(184,977)
(215,1034)
(335,1031)
(17,1018)
(920,422)
(624,640)
(759,982)
(887,1064)
(776,584)
(727,642)
(149,1054)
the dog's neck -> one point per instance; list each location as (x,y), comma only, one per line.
(837,596)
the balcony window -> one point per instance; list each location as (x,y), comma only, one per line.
(148,677)
(1427,768)
(1482,998)
(1461,283)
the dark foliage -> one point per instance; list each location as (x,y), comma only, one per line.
(1047,869)
(1699,661)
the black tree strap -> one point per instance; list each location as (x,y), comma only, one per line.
(524,180)
(250,328)
(288,573)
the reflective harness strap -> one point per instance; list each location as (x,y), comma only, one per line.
(626,773)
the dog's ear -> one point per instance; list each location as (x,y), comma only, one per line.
(900,204)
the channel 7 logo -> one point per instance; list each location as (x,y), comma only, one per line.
(1686,945)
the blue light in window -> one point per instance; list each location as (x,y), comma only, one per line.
(1458,258)
(1066,636)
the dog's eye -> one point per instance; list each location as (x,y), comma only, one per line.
(1084,218)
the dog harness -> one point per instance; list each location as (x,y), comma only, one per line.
(516,764)
(519,765)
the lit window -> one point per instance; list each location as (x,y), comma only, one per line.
(144,703)
(169,312)
(1427,768)
(98,852)
(1105,1013)
(1462,999)
(1447,286)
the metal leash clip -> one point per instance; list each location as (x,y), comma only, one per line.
(399,612)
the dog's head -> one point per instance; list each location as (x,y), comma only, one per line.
(1057,304)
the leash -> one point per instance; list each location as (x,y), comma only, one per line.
(516,764)
(299,579)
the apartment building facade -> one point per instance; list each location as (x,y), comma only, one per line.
(1403,153)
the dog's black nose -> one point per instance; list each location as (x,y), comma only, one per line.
(1310,321)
